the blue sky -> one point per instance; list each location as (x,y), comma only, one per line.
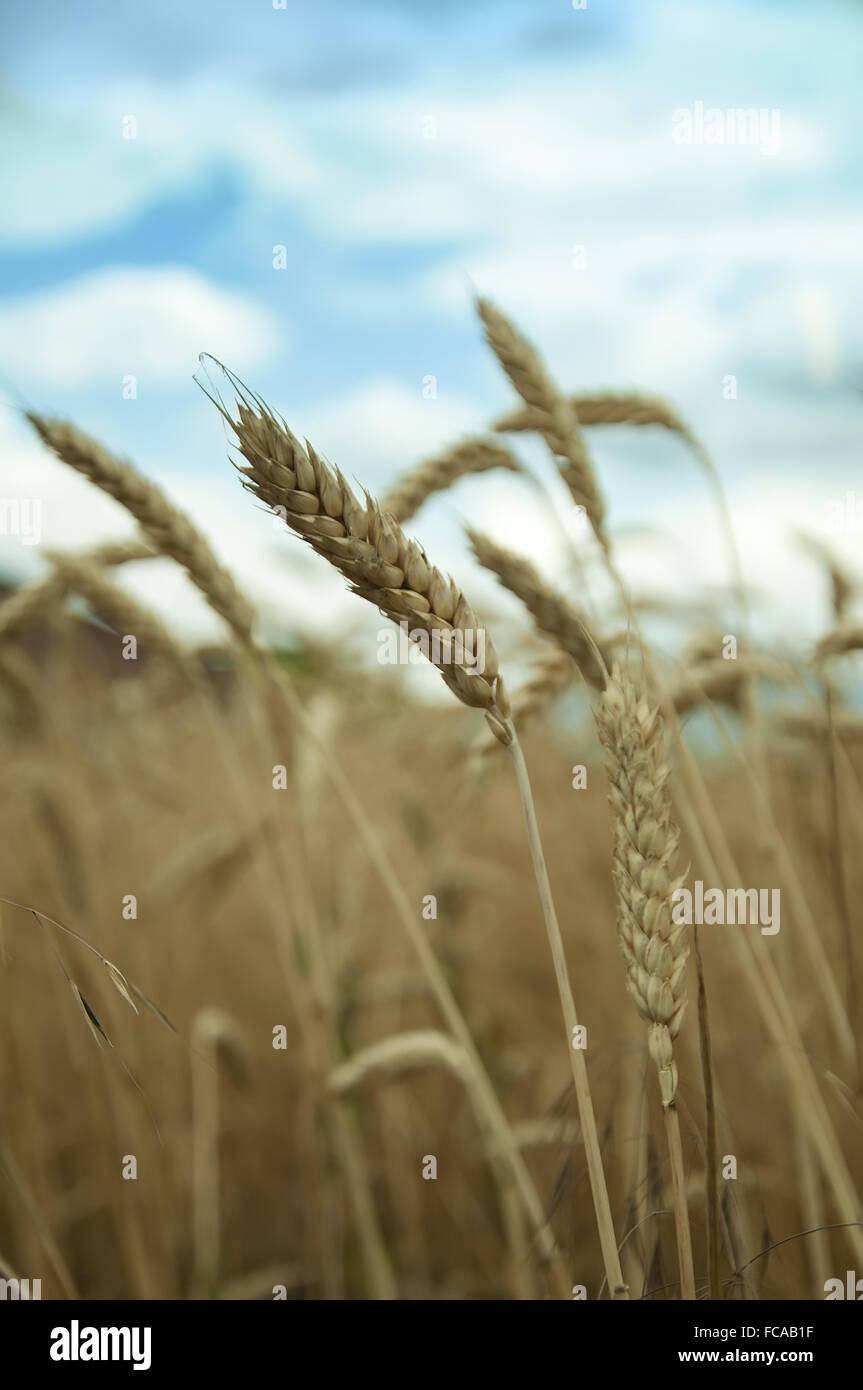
(403,154)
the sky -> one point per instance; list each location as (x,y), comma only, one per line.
(315,193)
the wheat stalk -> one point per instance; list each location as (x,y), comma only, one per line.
(552,414)
(215,1040)
(654,948)
(475,455)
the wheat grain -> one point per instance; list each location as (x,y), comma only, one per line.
(475,455)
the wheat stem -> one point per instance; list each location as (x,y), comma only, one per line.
(596,1171)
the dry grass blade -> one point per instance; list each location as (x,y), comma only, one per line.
(475,455)
(551,413)
(120,983)
(91,1020)
(154,1008)
(551,612)
(164,524)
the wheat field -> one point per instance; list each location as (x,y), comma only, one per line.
(313,989)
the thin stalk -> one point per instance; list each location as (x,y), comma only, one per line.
(711,1155)
(599,1190)
(681,1212)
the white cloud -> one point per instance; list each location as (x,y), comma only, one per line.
(380,429)
(148,323)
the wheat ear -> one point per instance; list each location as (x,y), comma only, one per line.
(609,408)
(122,612)
(842,586)
(369,548)
(475,455)
(164,524)
(551,413)
(655,949)
(633,408)
(551,612)
(722,682)
(34,602)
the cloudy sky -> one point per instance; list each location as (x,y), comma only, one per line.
(405,155)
